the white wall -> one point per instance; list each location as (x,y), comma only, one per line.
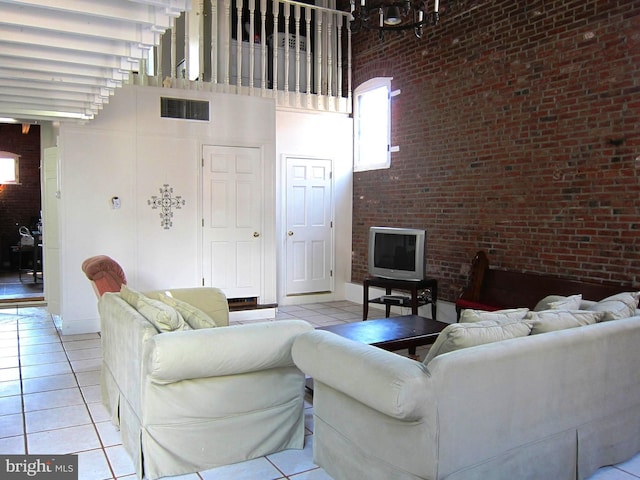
(130,152)
(323,136)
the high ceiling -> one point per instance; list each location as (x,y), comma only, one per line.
(63,59)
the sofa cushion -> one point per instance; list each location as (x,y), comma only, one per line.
(472,316)
(550,320)
(194,317)
(621,305)
(559,302)
(462,335)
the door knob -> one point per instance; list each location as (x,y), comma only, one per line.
(290,233)
(256,234)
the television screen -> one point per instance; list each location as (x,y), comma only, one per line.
(395,251)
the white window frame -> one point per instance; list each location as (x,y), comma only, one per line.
(11,157)
(384,161)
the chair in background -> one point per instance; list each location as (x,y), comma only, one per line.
(105,274)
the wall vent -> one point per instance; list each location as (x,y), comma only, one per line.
(183,108)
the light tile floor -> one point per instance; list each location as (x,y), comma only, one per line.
(50,402)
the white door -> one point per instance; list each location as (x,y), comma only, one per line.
(309,239)
(232,220)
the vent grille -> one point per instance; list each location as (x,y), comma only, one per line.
(185,109)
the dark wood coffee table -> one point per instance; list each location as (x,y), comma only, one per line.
(393,333)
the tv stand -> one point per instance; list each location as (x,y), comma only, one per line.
(428,285)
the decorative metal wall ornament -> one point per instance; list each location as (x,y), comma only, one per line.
(166,202)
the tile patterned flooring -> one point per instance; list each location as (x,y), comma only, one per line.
(50,402)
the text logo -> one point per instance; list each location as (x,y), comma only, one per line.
(50,467)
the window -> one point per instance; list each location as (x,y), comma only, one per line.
(372,124)
(9,171)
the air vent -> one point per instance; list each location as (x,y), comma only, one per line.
(183,108)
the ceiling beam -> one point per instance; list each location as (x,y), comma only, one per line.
(61,60)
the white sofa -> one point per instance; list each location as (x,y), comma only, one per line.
(555,405)
(187,401)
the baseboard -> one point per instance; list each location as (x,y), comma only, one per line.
(253,314)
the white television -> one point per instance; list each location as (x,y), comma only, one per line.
(397,253)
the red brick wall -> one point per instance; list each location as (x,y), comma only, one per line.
(19,204)
(519,134)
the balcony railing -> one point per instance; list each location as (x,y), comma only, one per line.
(298,54)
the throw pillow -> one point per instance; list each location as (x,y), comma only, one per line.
(161,315)
(551,320)
(195,317)
(462,335)
(130,296)
(558,302)
(568,303)
(469,315)
(621,305)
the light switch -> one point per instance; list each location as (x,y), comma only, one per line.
(115,202)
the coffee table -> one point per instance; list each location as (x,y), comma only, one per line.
(393,333)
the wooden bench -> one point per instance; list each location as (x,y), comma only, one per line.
(492,289)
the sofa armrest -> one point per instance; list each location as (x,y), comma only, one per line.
(212,352)
(210,300)
(389,383)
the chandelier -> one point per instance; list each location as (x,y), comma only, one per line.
(390,16)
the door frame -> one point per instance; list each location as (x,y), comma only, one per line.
(282,232)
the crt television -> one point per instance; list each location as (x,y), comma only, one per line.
(396,253)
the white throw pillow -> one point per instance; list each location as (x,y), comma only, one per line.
(551,320)
(621,305)
(470,315)
(161,315)
(568,303)
(559,302)
(195,317)
(462,335)
(130,296)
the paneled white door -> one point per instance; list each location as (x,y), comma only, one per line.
(309,238)
(232,220)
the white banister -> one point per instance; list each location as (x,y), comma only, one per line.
(297,53)
(318,52)
(186,45)
(263,43)
(201,49)
(330,45)
(308,55)
(214,41)
(274,46)
(226,42)
(339,69)
(285,73)
(239,30)
(251,33)
(296,10)
(174,43)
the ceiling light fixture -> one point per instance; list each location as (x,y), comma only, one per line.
(389,15)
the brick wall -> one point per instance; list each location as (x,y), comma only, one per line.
(519,134)
(19,204)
